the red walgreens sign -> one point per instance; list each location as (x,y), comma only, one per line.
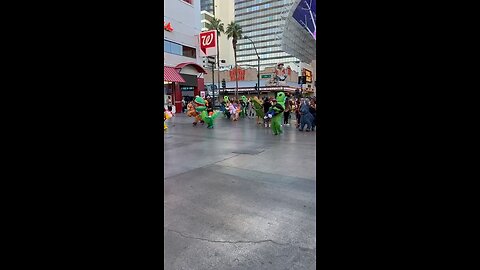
(208,43)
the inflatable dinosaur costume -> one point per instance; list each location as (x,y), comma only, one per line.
(258,107)
(166,115)
(277,119)
(191,112)
(202,111)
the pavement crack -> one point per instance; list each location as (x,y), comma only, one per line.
(201,167)
(239,241)
(236,155)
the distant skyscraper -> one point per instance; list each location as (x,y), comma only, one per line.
(263,21)
(207,5)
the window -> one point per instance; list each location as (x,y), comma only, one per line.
(189,52)
(174,48)
(166,46)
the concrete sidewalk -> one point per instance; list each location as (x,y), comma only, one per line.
(237,197)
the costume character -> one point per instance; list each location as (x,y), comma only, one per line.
(201,109)
(306,117)
(191,112)
(278,108)
(166,115)
(258,107)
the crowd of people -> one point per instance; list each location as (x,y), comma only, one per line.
(303,109)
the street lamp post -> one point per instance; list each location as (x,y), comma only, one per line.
(212,61)
(258,71)
(213,85)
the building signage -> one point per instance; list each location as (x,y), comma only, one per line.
(264,76)
(308,75)
(240,74)
(208,43)
(167,26)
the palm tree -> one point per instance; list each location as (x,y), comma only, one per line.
(217,24)
(234,31)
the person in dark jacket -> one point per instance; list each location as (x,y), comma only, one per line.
(266,108)
(297,112)
(286,113)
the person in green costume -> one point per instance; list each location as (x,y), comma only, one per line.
(257,106)
(278,107)
(243,103)
(202,110)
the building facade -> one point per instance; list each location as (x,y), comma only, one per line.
(299,37)
(224,11)
(263,22)
(269,84)
(181,51)
(207,5)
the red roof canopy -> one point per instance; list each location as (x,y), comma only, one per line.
(195,65)
(170,74)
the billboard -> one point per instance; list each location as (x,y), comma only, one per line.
(208,43)
(306,15)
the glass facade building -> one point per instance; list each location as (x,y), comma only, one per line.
(263,21)
(207,5)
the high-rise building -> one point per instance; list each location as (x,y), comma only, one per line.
(263,21)
(299,37)
(207,5)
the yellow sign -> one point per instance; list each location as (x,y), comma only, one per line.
(308,76)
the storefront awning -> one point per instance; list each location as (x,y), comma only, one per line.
(170,74)
(194,65)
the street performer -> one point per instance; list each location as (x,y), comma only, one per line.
(192,112)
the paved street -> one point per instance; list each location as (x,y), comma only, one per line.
(237,197)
